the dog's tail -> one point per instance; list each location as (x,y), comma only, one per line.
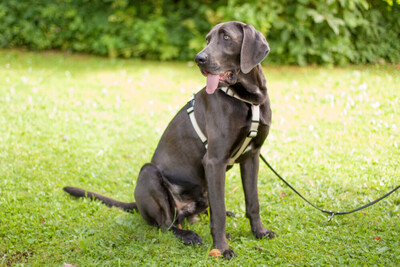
(79,192)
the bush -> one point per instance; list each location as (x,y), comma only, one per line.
(300,32)
(309,31)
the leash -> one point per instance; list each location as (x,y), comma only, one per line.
(331,213)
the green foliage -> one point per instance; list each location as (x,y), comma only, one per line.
(306,31)
(300,32)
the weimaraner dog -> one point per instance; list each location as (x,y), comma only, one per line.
(187,172)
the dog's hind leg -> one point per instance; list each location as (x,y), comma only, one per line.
(156,205)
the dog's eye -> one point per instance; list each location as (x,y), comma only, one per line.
(207,41)
(227,37)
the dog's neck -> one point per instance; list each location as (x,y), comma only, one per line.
(252,86)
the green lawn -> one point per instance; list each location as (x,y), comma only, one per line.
(93,122)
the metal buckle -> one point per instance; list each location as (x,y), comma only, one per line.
(252,133)
(190,109)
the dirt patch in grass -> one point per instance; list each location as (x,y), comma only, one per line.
(16,257)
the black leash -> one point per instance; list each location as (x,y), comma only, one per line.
(331,213)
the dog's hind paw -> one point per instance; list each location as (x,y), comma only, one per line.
(268,234)
(191,238)
(230,214)
(188,237)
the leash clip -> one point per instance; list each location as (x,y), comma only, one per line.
(331,217)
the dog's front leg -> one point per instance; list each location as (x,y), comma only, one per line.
(215,176)
(249,173)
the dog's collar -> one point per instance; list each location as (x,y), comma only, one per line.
(255,121)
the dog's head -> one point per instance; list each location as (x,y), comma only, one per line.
(232,47)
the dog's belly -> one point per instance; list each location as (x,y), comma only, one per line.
(189,199)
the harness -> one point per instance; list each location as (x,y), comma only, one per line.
(255,121)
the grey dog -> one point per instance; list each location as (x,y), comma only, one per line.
(185,177)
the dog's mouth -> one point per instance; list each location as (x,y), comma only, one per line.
(214,79)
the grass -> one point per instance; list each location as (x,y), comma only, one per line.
(93,122)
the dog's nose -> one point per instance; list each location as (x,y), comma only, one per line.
(201,58)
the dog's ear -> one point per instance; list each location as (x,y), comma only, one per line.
(254,48)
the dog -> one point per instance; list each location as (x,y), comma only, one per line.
(186,175)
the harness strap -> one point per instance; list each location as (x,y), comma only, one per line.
(232,93)
(255,121)
(196,126)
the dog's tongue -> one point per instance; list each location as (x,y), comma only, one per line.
(212,83)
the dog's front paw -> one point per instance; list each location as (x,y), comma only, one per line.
(228,254)
(268,234)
